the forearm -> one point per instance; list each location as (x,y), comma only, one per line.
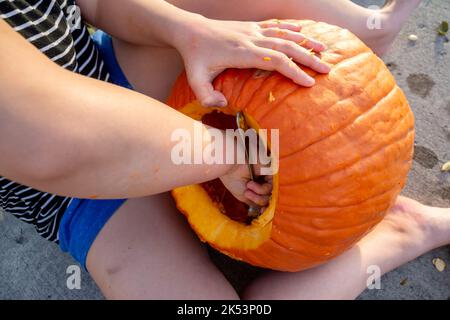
(144,22)
(67,134)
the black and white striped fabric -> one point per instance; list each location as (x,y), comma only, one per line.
(55,28)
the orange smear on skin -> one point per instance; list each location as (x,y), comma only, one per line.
(303,43)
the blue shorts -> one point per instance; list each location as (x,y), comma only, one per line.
(84,218)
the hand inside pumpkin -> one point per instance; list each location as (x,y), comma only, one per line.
(239,184)
(211,46)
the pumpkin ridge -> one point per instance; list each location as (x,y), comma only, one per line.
(306,213)
(298,219)
(397,141)
(337,129)
(277,229)
(345,205)
(335,67)
(312,27)
(350,164)
(342,99)
(305,254)
(339,64)
(316,253)
(262,104)
(274,106)
(238,88)
(341,34)
(261,84)
(322,243)
(313,181)
(306,229)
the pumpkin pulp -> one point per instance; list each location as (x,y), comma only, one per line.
(227,203)
(218,215)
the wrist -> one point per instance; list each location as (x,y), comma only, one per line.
(234,152)
(185,30)
(227,148)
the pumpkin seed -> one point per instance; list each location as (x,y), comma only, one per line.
(439,264)
(413,37)
(443,28)
(404,282)
(446,166)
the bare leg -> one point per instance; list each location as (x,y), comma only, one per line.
(150,70)
(147,251)
(409,230)
(343,13)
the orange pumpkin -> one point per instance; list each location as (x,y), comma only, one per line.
(346,147)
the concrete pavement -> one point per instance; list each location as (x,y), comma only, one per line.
(32,268)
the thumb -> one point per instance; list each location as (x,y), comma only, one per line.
(200,82)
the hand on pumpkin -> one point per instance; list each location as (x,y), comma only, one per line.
(212,46)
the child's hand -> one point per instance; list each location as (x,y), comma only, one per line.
(239,184)
(211,46)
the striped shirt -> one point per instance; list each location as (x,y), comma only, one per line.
(55,28)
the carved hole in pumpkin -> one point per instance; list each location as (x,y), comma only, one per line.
(226,202)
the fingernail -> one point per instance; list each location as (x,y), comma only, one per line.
(250,183)
(208,102)
(222,103)
(326,67)
(310,82)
